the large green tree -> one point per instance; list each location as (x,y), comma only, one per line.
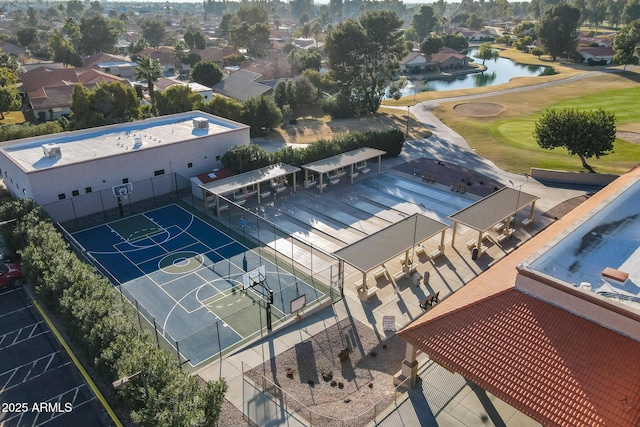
(631,11)
(583,133)
(177,99)
(149,69)
(261,114)
(487,52)
(97,35)
(153,31)
(364,56)
(558,29)
(9,99)
(423,21)
(625,44)
(106,104)
(62,50)
(206,73)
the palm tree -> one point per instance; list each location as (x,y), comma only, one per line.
(149,69)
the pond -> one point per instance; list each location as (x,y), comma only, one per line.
(500,71)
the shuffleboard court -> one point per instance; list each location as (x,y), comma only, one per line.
(187,277)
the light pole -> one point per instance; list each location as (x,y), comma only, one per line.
(515,213)
(407,132)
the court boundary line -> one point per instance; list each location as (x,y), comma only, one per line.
(273,270)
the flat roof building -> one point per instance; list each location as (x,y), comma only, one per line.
(70,164)
(553,329)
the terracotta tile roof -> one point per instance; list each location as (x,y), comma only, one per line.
(554,366)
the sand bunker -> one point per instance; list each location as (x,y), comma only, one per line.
(478,109)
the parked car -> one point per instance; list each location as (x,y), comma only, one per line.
(10,275)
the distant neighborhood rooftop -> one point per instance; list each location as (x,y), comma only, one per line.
(79,146)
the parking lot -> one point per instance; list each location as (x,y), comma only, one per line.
(39,384)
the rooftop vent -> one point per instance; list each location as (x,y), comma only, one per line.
(200,123)
(137,142)
(51,150)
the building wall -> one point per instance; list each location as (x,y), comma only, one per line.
(45,185)
(590,306)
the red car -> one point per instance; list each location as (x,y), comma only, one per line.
(10,275)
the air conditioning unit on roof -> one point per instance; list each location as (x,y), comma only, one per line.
(200,123)
(51,150)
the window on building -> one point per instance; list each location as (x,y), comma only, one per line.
(88,190)
(125,180)
(189,165)
(217,157)
(75,193)
(158,172)
(62,196)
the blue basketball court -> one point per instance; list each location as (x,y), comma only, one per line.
(188,276)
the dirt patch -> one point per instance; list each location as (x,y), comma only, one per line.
(478,109)
(565,207)
(449,174)
(313,373)
(312,126)
(632,137)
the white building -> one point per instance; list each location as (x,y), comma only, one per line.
(72,164)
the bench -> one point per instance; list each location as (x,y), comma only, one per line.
(359,285)
(498,227)
(335,181)
(403,260)
(340,174)
(280,189)
(320,187)
(265,194)
(241,202)
(410,268)
(355,174)
(399,275)
(381,272)
(471,244)
(250,193)
(501,238)
(365,171)
(371,292)
(430,301)
(527,221)
(435,254)
(420,250)
(310,184)
(212,205)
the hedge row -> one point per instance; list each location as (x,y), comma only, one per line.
(103,326)
(249,157)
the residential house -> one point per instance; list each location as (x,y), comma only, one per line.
(11,48)
(414,62)
(552,329)
(47,92)
(596,55)
(112,64)
(478,36)
(450,60)
(165,83)
(242,85)
(164,55)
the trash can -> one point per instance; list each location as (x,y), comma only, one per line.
(474,254)
(426,278)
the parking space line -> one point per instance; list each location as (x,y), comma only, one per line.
(28,376)
(17,310)
(16,340)
(83,372)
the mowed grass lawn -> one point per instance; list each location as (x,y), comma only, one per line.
(507,138)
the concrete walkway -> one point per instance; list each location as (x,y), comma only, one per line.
(442,398)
